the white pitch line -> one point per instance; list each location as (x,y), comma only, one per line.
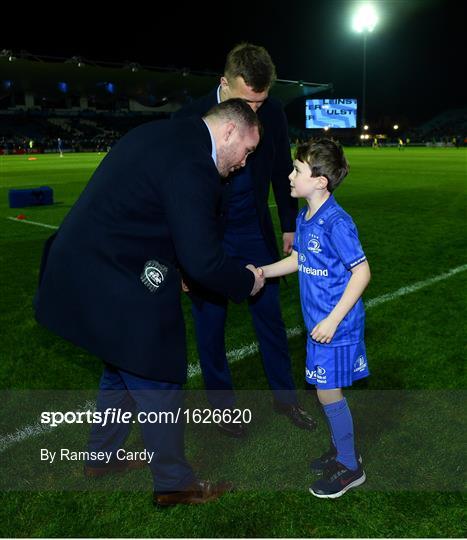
(56,226)
(247,350)
(33,223)
(414,287)
(235,355)
(33,430)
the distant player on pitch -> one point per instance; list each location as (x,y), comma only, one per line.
(60,146)
(333,273)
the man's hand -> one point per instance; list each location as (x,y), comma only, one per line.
(324,331)
(287,242)
(185,287)
(259,279)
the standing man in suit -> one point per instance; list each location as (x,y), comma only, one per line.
(249,236)
(110,279)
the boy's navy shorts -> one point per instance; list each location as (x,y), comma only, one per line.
(335,367)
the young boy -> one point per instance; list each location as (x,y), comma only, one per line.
(333,273)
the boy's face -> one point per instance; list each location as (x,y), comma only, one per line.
(302,184)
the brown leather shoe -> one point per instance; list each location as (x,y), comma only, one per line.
(114,467)
(199,492)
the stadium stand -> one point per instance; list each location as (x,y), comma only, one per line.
(92,106)
(89,106)
(447,128)
(77,134)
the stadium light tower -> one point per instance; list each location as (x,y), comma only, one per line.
(364,22)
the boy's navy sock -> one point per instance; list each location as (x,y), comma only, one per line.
(340,421)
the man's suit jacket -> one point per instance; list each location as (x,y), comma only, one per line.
(270,164)
(109,277)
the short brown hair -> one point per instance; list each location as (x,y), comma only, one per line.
(253,64)
(239,111)
(325,157)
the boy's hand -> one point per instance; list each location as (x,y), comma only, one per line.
(259,279)
(324,331)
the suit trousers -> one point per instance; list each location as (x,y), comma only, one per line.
(121,390)
(245,244)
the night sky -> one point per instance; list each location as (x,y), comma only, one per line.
(415,56)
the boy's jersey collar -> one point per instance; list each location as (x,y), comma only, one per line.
(325,206)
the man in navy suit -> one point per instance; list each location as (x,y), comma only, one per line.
(110,278)
(249,236)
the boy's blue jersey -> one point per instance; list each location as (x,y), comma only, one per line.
(328,248)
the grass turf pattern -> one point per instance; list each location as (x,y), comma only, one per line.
(409,207)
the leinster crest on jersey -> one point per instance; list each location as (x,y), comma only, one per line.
(153,275)
(313,244)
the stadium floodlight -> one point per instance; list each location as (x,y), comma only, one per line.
(365,19)
(364,22)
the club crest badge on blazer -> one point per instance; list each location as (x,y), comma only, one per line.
(153,275)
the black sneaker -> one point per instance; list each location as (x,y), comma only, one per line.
(337,480)
(319,465)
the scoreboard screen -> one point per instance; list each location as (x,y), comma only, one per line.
(331,113)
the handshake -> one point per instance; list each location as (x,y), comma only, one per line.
(259,278)
(258,285)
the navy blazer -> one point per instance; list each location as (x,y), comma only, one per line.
(270,163)
(110,278)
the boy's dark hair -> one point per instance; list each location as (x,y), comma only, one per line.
(238,111)
(253,64)
(325,157)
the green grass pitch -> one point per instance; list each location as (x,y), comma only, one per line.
(409,207)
